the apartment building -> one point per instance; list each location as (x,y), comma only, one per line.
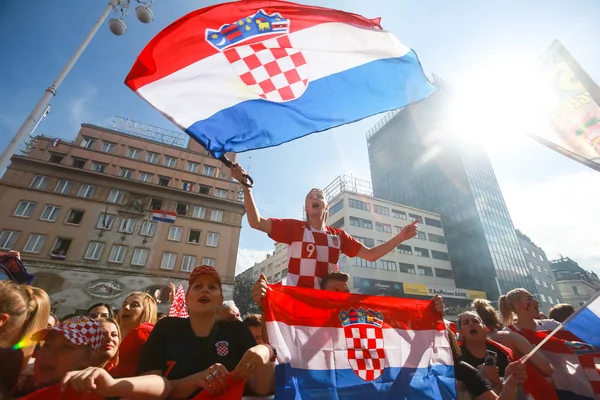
(80,213)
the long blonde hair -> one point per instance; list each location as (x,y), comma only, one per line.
(38,316)
(115,358)
(149,308)
(506,303)
(488,314)
(15,302)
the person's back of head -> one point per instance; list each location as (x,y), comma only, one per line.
(15,306)
(336,281)
(253,320)
(488,314)
(561,312)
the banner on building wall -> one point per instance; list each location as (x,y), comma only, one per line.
(575,112)
(453,293)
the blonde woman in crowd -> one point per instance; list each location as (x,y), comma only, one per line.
(521,304)
(108,355)
(136,319)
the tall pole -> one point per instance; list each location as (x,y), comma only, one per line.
(51,91)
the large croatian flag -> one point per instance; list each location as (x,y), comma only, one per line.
(585,323)
(251,74)
(334,345)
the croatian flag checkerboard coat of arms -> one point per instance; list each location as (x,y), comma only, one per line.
(364,340)
(222,348)
(259,49)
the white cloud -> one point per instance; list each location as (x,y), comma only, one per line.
(248,257)
(560,215)
(78,109)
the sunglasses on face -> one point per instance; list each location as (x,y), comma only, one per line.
(95,315)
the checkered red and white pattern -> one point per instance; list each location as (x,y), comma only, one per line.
(81,331)
(178,307)
(222,348)
(366,354)
(272,68)
(312,258)
(591,367)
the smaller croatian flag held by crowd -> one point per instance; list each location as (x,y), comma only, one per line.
(585,323)
(251,74)
(163,216)
(333,345)
(178,308)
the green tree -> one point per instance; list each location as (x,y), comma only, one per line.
(242,295)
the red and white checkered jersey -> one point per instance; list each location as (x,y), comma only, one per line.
(312,253)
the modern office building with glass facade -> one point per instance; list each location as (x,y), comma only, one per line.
(416,160)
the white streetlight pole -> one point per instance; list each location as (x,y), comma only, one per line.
(144,15)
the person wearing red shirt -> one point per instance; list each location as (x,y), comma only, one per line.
(314,248)
(136,320)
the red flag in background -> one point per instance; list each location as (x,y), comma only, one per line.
(178,308)
(53,392)
(235,391)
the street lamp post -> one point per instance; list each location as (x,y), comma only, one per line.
(144,14)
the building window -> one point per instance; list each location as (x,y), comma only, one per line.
(223,175)
(436,238)
(368,242)
(404,249)
(360,222)
(78,162)
(115,196)
(208,261)
(145,177)
(8,239)
(541,257)
(148,228)
(421,235)
(60,248)
(35,243)
(421,252)
(575,290)
(168,261)
(74,217)
(525,250)
(338,224)
(537,281)
(204,189)
(539,268)
(552,287)
(194,236)
(127,225)
(39,182)
(24,209)
(187,186)
(397,229)
(212,239)
(86,191)
(108,147)
(98,167)
(415,217)
(550,300)
(444,273)
(209,171)
(360,262)
(387,265)
(359,205)
(56,158)
(336,207)
(139,258)
(383,227)
(407,268)
(151,157)
(543,297)
(87,142)
(117,254)
(94,251)
(50,213)
(216,215)
(398,214)
(433,222)
(170,162)
(533,254)
(156,204)
(126,173)
(134,153)
(164,180)
(440,255)
(175,233)
(425,271)
(181,209)
(188,263)
(222,193)
(105,221)
(544,284)
(530,265)
(192,167)
(199,212)
(381,210)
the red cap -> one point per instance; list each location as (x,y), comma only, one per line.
(204,270)
(81,331)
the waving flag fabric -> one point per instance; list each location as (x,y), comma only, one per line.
(334,345)
(250,74)
(178,307)
(585,323)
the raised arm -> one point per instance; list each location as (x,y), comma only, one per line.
(375,253)
(254,219)
(523,347)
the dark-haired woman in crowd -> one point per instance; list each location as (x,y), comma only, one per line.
(206,350)
(100,310)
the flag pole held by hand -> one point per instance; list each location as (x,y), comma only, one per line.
(248,181)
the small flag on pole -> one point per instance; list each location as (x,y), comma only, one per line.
(188,186)
(178,307)
(164,216)
(55,142)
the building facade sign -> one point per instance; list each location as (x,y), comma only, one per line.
(453,293)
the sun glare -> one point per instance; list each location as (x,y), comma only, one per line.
(501,104)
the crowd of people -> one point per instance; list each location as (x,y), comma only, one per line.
(141,353)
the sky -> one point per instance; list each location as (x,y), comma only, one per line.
(473,45)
